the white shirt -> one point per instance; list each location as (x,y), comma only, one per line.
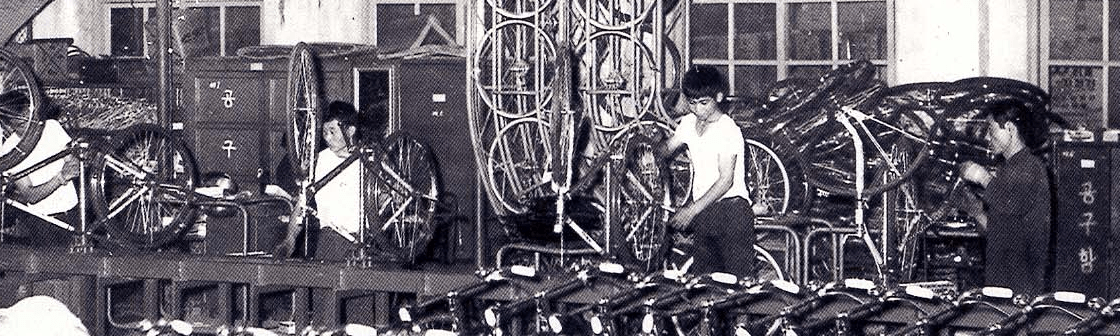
(338,202)
(40,316)
(54,140)
(721,138)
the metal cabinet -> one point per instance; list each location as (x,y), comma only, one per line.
(233,110)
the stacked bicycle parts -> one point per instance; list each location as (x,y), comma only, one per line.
(909,137)
(565,113)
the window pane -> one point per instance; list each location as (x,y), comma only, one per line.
(810,31)
(151,36)
(127,32)
(1075,29)
(755,31)
(1114,30)
(1113,98)
(752,80)
(392,23)
(808,71)
(708,29)
(200,30)
(243,28)
(863,30)
(1076,95)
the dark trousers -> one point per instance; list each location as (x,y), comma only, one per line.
(725,238)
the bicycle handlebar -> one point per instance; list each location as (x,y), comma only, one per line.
(1015,319)
(1083,327)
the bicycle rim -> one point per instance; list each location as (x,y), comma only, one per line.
(21,99)
(830,158)
(766,266)
(767,179)
(302,110)
(148,209)
(645,189)
(405,196)
(518,161)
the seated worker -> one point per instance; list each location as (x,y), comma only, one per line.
(337,204)
(47,190)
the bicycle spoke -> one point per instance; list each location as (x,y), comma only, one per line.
(125,201)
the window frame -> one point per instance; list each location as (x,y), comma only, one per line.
(144,5)
(782,62)
(1105,63)
(458,30)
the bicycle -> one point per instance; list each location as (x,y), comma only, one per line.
(541,320)
(1060,302)
(919,300)
(455,318)
(638,195)
(1102,313)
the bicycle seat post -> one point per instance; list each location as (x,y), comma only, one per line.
(83,245)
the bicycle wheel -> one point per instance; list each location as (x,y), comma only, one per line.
(20,102)
(144,187)
(519,164)
(302,110)
(1028,93)
(404,194)
(894,144)
(618,88)
(302,124)
(766,176)
(766,267)
(646,191)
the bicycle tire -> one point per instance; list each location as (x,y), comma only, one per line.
(404,224)
(302,111)
(21,101)
(829,158)
(644,224)
(301,130)
(162,209)
(925,94)
(645,190)
(517,162)
(765,172)
(1034,96)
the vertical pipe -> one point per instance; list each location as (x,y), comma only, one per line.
(163,102)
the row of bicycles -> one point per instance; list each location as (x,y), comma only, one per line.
(606,299)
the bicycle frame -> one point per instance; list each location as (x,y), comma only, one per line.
(82,150)
(391,178)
